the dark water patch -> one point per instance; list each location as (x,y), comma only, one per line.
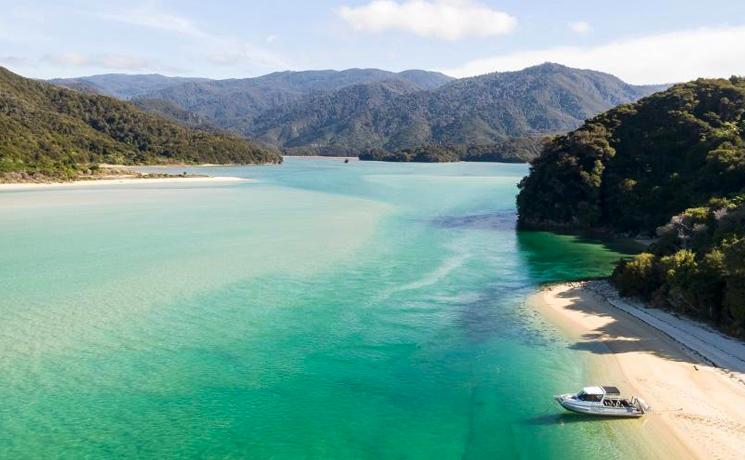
(491,221)
(550,257)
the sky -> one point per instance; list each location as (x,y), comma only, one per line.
(642,42)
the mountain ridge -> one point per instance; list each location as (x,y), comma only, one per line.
(542,100)
(355,110)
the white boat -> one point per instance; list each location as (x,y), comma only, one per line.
(603,401)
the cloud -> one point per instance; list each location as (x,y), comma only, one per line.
(236,54)
(14,60)
(67,59)
(662,58)
(580,27)
(154,19)
(443,19)
(222,50)
(103,61)
(122,62)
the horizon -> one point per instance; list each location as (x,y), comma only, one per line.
(158,74)
(672,42)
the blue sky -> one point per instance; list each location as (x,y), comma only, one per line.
(651,41)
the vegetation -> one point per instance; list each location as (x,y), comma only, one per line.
(357,110)
(509,150)
(697,267)
(235,104)
(174,113)
(55,132)
(395,115)
(670,166)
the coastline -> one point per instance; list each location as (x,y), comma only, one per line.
(320,157)
(119,181)
(696,406)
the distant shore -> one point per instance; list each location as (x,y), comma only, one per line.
(668,361)
(320,157)
(120,181)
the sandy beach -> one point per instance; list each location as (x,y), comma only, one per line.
(698,407)
(120,181)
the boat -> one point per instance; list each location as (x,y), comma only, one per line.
(604,401)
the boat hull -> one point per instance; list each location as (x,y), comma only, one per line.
(582,407)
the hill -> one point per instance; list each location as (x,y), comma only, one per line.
(542,100)
(507,150)
(354,111)
(122,86)
(673,166)
(323,118)
(57,132)
(233,104)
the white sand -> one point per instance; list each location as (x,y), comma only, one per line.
(121,181)
(698,408)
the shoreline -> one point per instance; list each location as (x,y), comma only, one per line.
(320,157)
(668,361)
(18,186)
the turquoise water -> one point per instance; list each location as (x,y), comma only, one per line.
(324,311)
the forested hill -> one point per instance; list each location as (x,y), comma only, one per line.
(356,110)
(235,103)
(671,165)
(541,100)
(54,131)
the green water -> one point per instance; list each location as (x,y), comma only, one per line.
(325,311)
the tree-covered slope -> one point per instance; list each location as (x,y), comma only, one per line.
(672,166)
(235,103)
(633,167)
(546,99)
(324,118)
(54,131)
(355,110)
(507,150)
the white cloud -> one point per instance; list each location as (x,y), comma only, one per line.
(14,60)
(236,54)
(104,61)
(580,27)
(444,19)
(271,39)
(222,50)
(148,17)
(662,58)
(122,62)
(67,59)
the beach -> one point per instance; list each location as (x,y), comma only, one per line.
(697,405)
(119,181)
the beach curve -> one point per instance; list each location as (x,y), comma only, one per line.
(696,405)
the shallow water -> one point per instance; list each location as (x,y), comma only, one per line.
(327,310)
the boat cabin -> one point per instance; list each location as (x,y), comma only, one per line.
(608,396)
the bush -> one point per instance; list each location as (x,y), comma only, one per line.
(638,276)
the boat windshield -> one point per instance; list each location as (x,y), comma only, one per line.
(582,396)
